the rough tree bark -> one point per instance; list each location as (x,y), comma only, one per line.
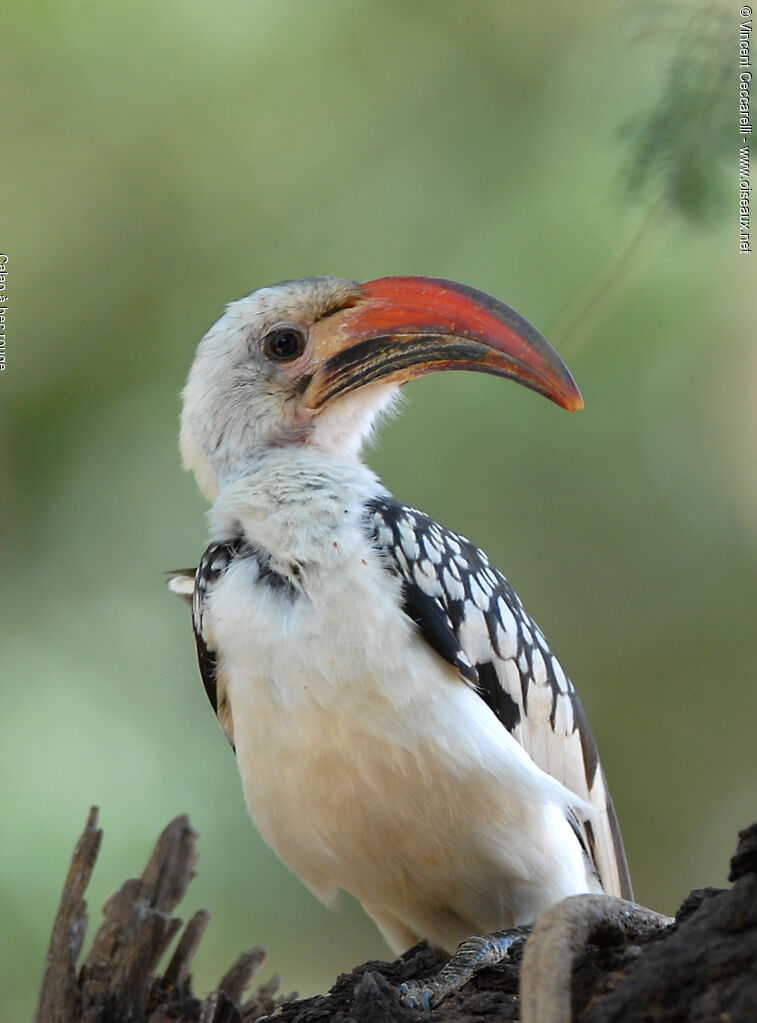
(591,959)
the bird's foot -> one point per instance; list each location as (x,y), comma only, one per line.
(474,954)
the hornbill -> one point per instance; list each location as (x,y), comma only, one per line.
(402,728)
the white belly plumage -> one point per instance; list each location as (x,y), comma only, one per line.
(369,765)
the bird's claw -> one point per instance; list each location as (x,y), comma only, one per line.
(416,994)
(473,954)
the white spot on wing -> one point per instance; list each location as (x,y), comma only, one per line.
(563,715)
(507,643)
(539,635)
(560,678)
(480,599)
(474,635)
(453,586)
(506,617)
(432,551)
(426,578)
(407,539)
(491,577)
(538,667)
(511,678)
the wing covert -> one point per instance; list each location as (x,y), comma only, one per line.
(470,614)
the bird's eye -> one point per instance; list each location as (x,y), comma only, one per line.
(283,344)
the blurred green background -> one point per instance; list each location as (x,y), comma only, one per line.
(163,159)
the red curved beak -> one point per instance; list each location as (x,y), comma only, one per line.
(403,327)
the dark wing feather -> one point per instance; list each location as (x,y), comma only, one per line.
(468,612)
(197,586)
(214,562)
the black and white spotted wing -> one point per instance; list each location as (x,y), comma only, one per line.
(468,612)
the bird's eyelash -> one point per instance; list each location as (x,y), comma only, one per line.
(347,303)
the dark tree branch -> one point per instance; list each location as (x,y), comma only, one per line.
(59,998)
(592,959)
(117,982)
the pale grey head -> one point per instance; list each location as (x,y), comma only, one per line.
(313,361)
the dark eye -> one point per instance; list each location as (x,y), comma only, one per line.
(283,344)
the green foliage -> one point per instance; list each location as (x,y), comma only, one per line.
(681,149)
